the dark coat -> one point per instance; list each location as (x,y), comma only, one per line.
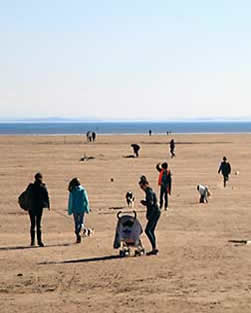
(225,168)
(38,196)
(152,208)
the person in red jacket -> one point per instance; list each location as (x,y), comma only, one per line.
(165,183)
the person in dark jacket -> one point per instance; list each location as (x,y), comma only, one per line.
(38,199)
(152,213)
(165,183)
(136,149)
(172,148)
(225,169)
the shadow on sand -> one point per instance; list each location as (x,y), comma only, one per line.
(29,247)
(240,242)
(95,259)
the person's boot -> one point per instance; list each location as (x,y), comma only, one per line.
(39,238)
(78,238)
(32,233)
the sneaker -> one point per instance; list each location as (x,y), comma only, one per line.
(41,244)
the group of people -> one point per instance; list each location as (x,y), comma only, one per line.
(38,199)
(78,203)
(91,136)
(136,148)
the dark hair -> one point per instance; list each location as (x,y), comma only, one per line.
(164,165)
(73,183)
(143,180)
(38,176)
(224,158)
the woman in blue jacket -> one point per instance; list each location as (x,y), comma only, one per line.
(78,205)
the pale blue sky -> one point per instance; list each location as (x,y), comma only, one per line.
(125,59)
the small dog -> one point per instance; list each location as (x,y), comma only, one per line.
(130,199)
(87,232)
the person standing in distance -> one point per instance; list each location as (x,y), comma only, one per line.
(38,199)
(225,170)
(152,213)
(172,148)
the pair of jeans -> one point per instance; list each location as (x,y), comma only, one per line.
(79,221)
(163,194)
(150,228)
(35,220)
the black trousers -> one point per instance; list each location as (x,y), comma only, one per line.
(163,194)
(150,228)
(35,220)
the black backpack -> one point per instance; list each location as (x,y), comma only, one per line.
(23,199)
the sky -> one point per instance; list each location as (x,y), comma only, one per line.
(134,59)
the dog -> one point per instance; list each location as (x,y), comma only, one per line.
(130,199)
(87,232)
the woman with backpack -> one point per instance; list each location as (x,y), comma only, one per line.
(165,183)
(38,199)
(78,205)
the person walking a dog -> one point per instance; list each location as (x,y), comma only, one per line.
(152,213)
(38,199)
(78,205)
(225,169)
(165,183)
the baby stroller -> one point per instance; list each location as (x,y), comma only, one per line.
(127,235)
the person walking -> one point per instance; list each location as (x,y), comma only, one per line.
(172,148)
(225,170)
(152,213)
(93,136)
(78,205)
(38,199)
(165,183)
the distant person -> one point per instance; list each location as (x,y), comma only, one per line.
(225,170)
(152,213)
(165,183)
(136,149)
(204,193)
(93,136)
(89,136)
(172,148)
(78,205)
(150,132)
(38,199)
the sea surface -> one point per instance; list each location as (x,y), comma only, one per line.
(64,128)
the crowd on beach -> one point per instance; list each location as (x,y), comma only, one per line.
(37,198)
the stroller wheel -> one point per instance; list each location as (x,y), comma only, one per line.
(121,253)
(137,253)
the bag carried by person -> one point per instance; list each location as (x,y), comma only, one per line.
(23,199)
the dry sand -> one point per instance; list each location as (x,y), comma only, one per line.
(201,266)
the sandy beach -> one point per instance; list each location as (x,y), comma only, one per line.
(204,260)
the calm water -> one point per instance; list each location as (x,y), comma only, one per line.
(123,128)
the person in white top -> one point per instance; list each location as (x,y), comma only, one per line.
(204,193)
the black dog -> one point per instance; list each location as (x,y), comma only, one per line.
(130,199)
